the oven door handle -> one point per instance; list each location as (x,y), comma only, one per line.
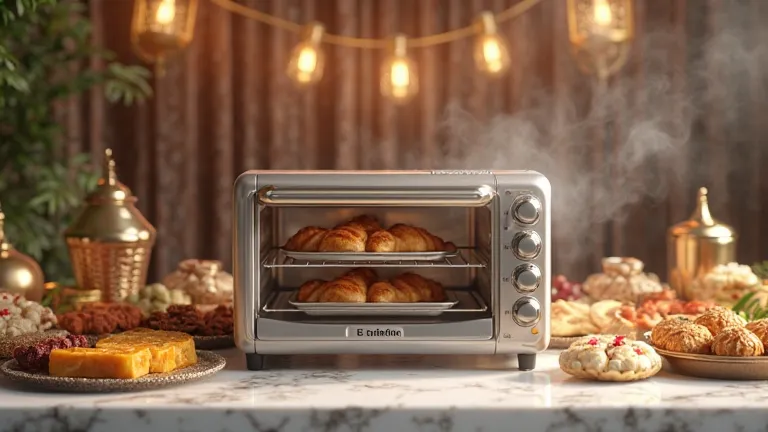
(428,197)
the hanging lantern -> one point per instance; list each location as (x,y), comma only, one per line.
(307,59)
(161,28)
(399,80)
(19,273)
(600,32)
(491,53)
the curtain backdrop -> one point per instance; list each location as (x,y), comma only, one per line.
(626,158)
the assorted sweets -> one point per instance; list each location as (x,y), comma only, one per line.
(19,316)
(724,284)
(101,318)
(191,320)
(204,281)
(157,297)
(610,358)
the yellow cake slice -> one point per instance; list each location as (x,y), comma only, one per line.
(170,350)
(122,363)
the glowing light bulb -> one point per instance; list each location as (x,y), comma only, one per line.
(307,59)
(601,13)
(491,53)
(166,12)
(399,81)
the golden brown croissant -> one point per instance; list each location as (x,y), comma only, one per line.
(406,288)
(306,239)
(406,238)
(366,222)
(349,236)
(352,287)
(310,290)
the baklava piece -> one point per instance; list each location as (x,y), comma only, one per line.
(118,363)
(737,342)
(719,318)
(760,329)
(681,335)
(613,358)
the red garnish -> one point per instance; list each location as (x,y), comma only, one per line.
(618,340)
(5,312)
(592,341)
(638,351)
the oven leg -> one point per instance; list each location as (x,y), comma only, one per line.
(254,362)
(526,362)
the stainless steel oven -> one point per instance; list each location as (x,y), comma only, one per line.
(496,281)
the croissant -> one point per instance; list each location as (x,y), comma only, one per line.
(352,287)
(406,238)
(406,288)
(349,236)
(306,239)
(365,222)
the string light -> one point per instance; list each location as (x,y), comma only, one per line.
(399,80)
(161,28)
(491,54)
(307,59)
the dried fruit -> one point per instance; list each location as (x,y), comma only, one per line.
(35,357)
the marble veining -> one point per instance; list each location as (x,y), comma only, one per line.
(398,393)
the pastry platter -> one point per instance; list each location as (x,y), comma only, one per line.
(716,367)
(370,256)
(208,363)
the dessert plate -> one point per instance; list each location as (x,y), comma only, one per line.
(716,367)
(208,363)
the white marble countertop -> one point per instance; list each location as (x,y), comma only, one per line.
(399,394)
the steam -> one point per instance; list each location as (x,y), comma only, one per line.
(726,72)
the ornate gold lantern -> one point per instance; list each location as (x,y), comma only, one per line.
(19,273)
(162,27)
(110,242)
(600,32)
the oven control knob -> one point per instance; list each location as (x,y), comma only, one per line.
(526,312)
(526,209)
(526,278)
(526,245)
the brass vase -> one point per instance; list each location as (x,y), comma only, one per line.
(697,245)
(110,243)
(19,273)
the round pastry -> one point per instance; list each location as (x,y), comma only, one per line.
(719,318)
(571,319)
(760,329)
(725,284)
(737,342)
(610,358)
(681,335)
(622,279)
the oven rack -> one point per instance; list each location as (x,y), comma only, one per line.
(464,257)
(469,301)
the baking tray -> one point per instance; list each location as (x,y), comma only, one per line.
(370,256)
(375,309)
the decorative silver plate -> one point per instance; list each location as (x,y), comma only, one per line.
(208,363)
(214,342)
(370,256)
(375,309)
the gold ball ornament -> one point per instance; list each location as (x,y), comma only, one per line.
(19,273)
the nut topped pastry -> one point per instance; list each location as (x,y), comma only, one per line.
(719,318)
(610,358)
(737,342)
(760,329)
(681,335)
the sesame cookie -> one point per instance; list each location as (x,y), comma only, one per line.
(610,358)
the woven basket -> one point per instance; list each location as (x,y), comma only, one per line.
(116,269)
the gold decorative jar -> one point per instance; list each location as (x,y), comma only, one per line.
(19,273)
(110,243)
(696,246)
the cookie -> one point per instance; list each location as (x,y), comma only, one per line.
(681,335)
(610,358)
(719,318)
(737,342)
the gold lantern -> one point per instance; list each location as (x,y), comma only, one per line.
(600,32)
(696,246)
(110,242)
(19,273)
(162,27)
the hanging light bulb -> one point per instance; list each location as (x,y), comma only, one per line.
(166,11)
(161,28)
(491,54)
(399,81)
(601,13)
(307,59)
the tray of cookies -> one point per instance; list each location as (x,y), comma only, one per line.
(719,344)
(363,239)
(359,292)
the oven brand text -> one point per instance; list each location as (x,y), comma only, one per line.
(375,332)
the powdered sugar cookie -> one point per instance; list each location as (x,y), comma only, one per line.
(610,358)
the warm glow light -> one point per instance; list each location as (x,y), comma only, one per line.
(166,11)
(601,13)
(307,59)
(491,54)
(399,81)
